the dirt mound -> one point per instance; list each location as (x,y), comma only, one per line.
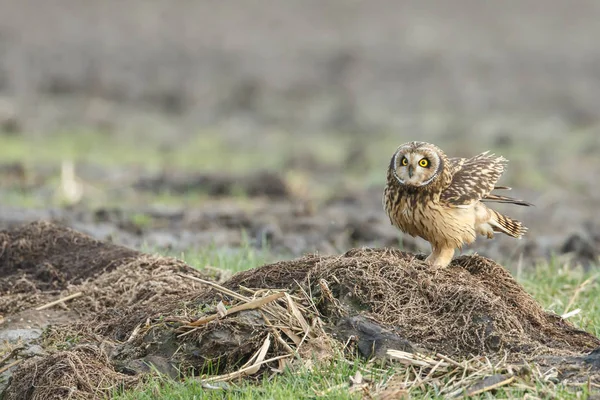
(280,275)
(108,290)
(148,310)
(73,374)
(146,287)
(473,307)
(45,256)
(41,262)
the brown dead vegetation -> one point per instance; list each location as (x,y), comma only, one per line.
(132,310)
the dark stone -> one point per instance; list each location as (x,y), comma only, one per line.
(593,358)
(372,339)
(581,247)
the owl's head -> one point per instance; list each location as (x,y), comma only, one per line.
(417,164)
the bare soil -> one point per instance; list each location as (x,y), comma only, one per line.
(137,310)
(63,259)
(260,208)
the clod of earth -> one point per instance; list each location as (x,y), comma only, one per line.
(138,310)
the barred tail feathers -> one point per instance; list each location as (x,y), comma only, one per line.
(507,225)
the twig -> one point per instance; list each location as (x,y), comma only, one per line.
(9,366)
(449,360)
(295,338)
(243,370)
(11,354)
(134,333)
(217,286)
(258,357)
(278,336)
(430,374)
(571,313)
(61,300)
(296,312)
(245,306)
(245,289)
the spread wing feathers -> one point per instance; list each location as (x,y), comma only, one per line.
(456,163)
(473,179)
(504,199)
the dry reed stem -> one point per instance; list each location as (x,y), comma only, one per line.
(59,301)
(454,379)
(9,366)
(243,372)
(10,353)
(251,305)
(217,287)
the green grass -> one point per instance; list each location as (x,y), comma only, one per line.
(559,285)
(228,259)
(554,285)
(331,382)
(328,381)
(206,150)
(334,161)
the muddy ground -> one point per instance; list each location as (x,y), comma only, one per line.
(131,314)
(261,209)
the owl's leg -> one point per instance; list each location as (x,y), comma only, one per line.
(440,256)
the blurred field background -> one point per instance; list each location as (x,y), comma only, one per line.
(319,94)
(232,134)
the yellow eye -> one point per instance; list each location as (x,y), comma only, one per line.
(424,162)
(404,161)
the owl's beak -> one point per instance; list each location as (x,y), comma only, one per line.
(410,171)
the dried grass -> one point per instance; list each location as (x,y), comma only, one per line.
(474,307)
(293,331)
(115,303)
(452,378)
(81,373)
(277,316)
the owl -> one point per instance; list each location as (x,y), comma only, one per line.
(442,199)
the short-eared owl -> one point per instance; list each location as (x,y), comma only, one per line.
(441,199)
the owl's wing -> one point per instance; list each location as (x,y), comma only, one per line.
(473,179)
(456,163)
